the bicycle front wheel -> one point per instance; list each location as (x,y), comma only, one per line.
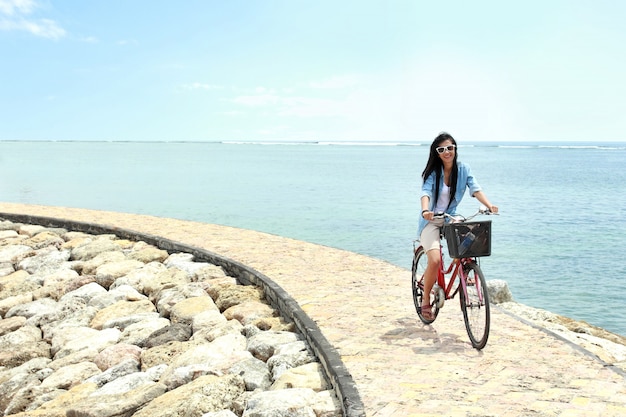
(420,262)
(475,305)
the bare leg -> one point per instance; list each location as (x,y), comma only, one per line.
(430,275)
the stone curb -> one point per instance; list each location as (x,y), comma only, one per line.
(341,380)
(574,346)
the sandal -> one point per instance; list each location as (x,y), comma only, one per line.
(427,312)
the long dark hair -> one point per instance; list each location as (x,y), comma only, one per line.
(435,165)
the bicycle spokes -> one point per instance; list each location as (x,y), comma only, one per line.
(475,305)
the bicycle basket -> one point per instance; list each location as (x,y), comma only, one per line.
(469,239)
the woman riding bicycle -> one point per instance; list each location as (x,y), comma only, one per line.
(445,181)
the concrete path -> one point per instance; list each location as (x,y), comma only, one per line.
(402,368)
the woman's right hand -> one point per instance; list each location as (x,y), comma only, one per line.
(428,215)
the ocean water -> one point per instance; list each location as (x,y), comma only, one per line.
(558,241)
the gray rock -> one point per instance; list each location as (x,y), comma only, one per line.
(86,292)
(33,308)
(71,375)
(184,262)
(107,274)
(30,229)
(7,234)
(254,372)
(249,311)
(149,254)
(139,332)
(290,355)
(44,239)
(499,291)
(61,336)
(31,396)
(167,297)
(113,355)
(119,310)
(9,302)
(90,266)
(232,295)
(6,268)
(31,345)
(207,320)
(100,340)
(128,367)
(184,311)
(83,355)
(10,395)
(162,354)
(93,249)
(169,278)
(227,327)
(205,394)
(121,323)
(120,405)
(11,324)
(222,413)
(136,278)
(218,356)
(287,402)
(66,320)
(70,308)
(121,379)
(264,344)
(45,261)
(174,332)
(310,376)
(11,252)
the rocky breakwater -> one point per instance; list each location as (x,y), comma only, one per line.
(95,326)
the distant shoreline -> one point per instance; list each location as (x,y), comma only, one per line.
(530,144)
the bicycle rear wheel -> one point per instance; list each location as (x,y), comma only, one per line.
(475,306)
(420,261)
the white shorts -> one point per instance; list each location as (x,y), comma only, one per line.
(430,238)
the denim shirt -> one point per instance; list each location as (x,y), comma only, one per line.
(464,179)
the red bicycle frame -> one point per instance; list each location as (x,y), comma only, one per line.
(457,265)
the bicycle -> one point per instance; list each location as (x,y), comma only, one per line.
(467,241)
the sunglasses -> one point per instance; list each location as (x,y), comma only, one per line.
(448,148)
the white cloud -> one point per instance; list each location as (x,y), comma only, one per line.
(16,7)
(16,17)
(128,42)
(293,105)
(312,107)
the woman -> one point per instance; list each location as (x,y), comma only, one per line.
(445,181)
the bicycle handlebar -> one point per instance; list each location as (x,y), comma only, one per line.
(481,211)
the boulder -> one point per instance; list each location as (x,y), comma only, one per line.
(206,394)
(499,291)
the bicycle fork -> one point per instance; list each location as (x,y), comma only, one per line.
(440,294)
(480,299)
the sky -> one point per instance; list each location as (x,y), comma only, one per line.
(295,70)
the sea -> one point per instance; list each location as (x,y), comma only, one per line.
(557,242)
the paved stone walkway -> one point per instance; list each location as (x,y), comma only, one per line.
(402,368)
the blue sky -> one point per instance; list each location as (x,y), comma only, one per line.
(356,70)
